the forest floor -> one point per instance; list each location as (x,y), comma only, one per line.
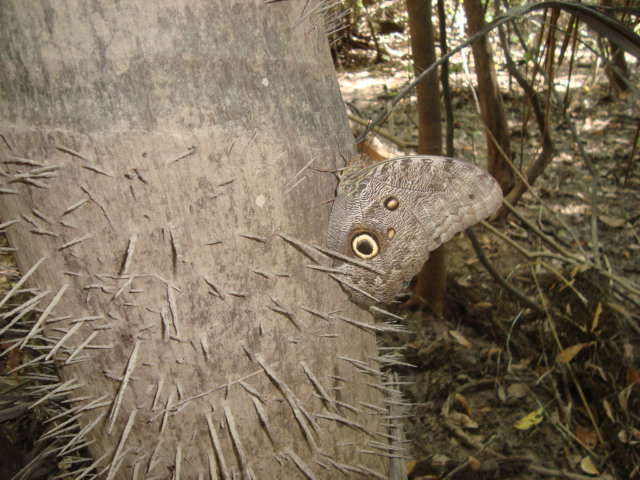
(499,390)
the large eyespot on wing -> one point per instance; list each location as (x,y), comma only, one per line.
(364,244)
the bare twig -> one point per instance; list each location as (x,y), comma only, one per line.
(498,278)
(403,144)
(594,180)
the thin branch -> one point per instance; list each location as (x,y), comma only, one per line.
(594,180)
(602,23)
(497,277)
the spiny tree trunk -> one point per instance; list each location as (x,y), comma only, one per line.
(491,105)
(154,163)
(430,290)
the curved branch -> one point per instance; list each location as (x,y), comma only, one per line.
(497,277)
(602,23)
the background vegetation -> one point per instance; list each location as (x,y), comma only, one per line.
(529,366)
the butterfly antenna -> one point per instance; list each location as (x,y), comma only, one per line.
(324,203)
(341,155)
(371,139)
(323,170)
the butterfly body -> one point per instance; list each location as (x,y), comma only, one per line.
(388,216)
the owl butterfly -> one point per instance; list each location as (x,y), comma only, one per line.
(388,216)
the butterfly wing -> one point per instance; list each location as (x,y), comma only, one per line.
(389,216)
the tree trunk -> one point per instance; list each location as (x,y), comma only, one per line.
(491,105)
(423,50)
(430,290)
(619,75)
(155,162)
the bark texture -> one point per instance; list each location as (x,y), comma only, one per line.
(155,161)
(491,105)
(619,75)
(430,290)
(423,51)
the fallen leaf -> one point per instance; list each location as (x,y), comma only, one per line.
(517,390)
(494,351)
(458,337)
(575,270)
(440,460)
(587,436)
(530,420)
(588,466)
(502,394)
(596,317)
(623,398)
(628,351)
(474,463)
(464,421)
(632,376)
(631,438)
(483,305)
(569,353)
(612,222)
(466,405)
(608,410)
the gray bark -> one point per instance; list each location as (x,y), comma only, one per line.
(154,152)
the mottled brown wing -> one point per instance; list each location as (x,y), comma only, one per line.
(402,209)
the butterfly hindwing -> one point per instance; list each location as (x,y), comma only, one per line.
(392,214)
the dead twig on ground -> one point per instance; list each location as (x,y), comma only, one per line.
(498,278)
